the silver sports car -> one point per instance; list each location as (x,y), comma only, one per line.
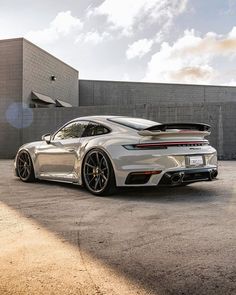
(105,152)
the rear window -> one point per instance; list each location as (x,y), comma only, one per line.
(135,123)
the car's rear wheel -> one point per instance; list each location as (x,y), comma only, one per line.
(98,173)
(24,166)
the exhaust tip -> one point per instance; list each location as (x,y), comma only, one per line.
(213,174)
(177,178)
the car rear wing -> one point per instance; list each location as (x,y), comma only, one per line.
(181,126)
(177,130)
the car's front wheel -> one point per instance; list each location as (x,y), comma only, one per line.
(24,166)
(98,173)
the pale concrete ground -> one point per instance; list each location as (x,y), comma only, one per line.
(59,239)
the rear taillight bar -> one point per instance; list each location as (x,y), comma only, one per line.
(164,145)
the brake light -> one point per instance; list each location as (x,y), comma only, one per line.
(164,145)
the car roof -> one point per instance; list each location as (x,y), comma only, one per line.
(100,117)
(107,121)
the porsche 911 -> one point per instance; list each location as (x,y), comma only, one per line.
(106,152)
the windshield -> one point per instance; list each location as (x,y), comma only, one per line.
(135,123)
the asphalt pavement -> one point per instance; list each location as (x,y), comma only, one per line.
(60,239)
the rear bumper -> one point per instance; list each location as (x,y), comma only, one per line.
(173,177)
(129,165)
(180,177)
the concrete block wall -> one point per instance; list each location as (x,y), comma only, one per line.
(39,66)
(115,93)
(10,95)
(221,116)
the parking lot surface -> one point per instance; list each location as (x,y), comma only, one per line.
(59,239)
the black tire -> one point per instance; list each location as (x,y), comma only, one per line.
(98,174)
(24,167)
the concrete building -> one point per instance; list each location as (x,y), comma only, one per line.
(36,72)
(38,93)
(33,77)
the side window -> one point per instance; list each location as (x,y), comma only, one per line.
(72,130)
(94,129)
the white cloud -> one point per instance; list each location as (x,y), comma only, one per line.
(190,58)
(127,15)
(64,24)
(139,48)
(93,37)
(159,37)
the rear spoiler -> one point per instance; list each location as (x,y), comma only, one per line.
(177,130)
(181,126)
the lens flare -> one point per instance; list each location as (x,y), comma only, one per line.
(19,115)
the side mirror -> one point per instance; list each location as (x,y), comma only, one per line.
(47,138)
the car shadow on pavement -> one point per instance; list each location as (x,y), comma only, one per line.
(190,193)
(175,194)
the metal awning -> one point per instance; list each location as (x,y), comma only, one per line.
(61,103)
(42,97)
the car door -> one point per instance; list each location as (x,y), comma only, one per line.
(57,159)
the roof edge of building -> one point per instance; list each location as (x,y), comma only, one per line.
(11,39)
(159,83)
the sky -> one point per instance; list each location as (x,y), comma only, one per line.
(167,41)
